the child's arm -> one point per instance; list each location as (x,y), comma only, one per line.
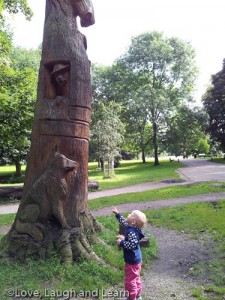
(131,243)
(120,218)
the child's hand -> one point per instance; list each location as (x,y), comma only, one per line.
(114,210)
(119,238)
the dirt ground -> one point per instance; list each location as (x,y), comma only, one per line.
(169,276)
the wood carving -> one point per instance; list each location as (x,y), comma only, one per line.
(53,212)
(45,199)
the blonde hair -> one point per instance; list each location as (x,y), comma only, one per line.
(140,218)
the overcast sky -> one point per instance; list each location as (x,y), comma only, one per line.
(202,23)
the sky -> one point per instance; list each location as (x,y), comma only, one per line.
(202,23)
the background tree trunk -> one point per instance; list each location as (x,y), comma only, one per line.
(143,154)
(18,168)
(155,143)
(53,213)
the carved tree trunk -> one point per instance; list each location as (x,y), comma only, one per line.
(53,213)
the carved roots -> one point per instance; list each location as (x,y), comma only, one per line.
(71,244)
(75,243)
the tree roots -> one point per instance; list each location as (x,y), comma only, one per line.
(39,241)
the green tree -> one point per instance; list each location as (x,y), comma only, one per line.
(214,103)
(138,127)
(159,74)
(104,94)
(203,146)
(22,58)
(18,77)
(108,135)
(17,98)
(15,6)
(5,42)
(185,131)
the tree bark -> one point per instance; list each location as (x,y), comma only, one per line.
(155,144)
(102,163)
(143,154)
(18,168)
(53,213)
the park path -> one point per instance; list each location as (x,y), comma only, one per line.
(158,204)
(12,208)
(196,170)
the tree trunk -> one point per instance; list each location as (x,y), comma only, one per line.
(18,168)
(53,213)
(155,144)
(102,162)
(137,155)
(143,154)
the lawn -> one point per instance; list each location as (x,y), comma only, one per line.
(198,219)
(49,276)
(129,173)
(194,218)
(157,194)
(219,160)
(135,172)
(9,170)
(8,174)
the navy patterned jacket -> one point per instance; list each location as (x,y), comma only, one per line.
(131,245)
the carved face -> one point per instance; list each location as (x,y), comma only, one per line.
(62,164)
(84,9)
(61,78)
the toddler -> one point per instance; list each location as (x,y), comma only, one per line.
(130,243)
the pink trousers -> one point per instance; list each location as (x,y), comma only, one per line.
(132,280)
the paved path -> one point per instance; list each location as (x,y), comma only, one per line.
(196,170)
(202,170)
(158,204)
(12,208)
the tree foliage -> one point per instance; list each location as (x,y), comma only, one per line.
(18,84)
(162,72)
(150,80)
(214,103)
(15,6)
(17,98)
(186,132)
(108,135)
(203,146)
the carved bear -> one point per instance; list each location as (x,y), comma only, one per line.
(45,199)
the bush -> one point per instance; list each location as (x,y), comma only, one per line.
(126,155)
(12,179)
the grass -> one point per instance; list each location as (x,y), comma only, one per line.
(50,276)
(195,218)
(129,173)
(158,194)
(7,219)
(219,160)
(135,172)
(9,170)
(199,218)
(8,176)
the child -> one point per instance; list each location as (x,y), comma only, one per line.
(130,243)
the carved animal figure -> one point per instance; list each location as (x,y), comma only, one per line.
(82,8)
(45,199)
